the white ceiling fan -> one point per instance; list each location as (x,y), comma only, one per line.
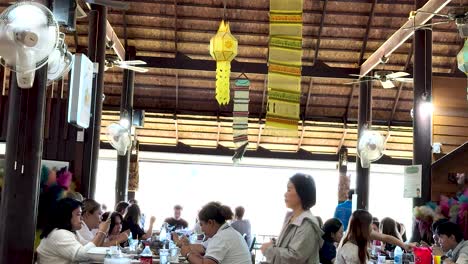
(387,78)
(113,60)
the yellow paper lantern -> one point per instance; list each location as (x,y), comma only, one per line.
(223,48)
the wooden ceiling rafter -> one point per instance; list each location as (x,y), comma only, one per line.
(402,34)
(260,116)
(400,88)
(304,115)
(319,34)
(366,35)
(176,110)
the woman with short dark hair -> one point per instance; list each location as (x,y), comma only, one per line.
(226,245)
(333,233)
(301,237)
(59,242)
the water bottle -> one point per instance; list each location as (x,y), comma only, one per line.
(398,256)
(146,256)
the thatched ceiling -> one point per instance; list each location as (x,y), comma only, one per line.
(339,33)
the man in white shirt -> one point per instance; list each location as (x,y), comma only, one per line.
(451,241)
(91,218)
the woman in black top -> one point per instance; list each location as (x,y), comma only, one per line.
(388,226)
(333,232)
(132,220)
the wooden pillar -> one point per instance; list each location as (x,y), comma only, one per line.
(97,53)
(422,117)
(20,198)
(364,119)
(126,111)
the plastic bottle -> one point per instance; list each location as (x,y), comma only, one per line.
(146,256)
(398,256)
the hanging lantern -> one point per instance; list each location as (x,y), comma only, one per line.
(223,48)
(462,59)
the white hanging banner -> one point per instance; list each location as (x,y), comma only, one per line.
(413,176)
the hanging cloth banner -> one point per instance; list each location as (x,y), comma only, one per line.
(284,67)
(134,172)
(240,115)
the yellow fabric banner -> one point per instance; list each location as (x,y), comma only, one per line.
(284,71)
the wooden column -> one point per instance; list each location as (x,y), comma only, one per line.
(364,118)
(97,53)
(20,198)
(126,111)
(422,117)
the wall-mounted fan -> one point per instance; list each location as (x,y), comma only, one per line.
(60,61)
(113,60)
(459,15)
(370,147)
(28,35)
(119,137)
(387,78)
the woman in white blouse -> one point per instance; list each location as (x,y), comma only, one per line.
(59,244)
(353,248)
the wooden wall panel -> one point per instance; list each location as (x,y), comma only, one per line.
(450,121)
(450,127)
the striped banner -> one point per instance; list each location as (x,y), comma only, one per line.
(284,67)
(240,123)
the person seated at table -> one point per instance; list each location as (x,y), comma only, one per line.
(226,245)
(132,220)
(121,207)
(452,243)
(388,226)
(115,236)
(242,225)
(353,248)
(177,222)
(91,218)
(333,233)
(59,243)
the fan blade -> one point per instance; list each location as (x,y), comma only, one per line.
(357,75)
(431,24)
(110,3)
(396,75)
(133,68)
(414,13)
(387,84)
(132,62)
(353,82)
(405,80)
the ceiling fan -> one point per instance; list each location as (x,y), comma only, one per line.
(457,14)
(387,78)
(113,60)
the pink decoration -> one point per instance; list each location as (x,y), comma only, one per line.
(64,180)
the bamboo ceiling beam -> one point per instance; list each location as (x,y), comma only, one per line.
(402,34)
(304,117)
(322,22)
(400,88)
(112,37)
(260,116)
(366,36)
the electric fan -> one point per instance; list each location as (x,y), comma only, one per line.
(370,147)
(28,35)
(59,61)
(119,137)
